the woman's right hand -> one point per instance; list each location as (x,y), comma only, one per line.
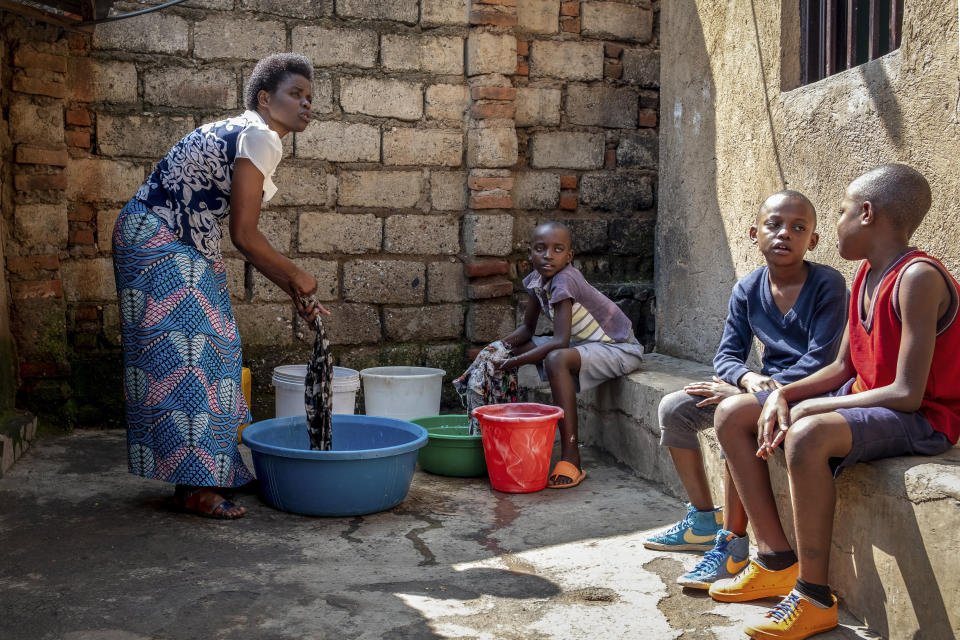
(303,286)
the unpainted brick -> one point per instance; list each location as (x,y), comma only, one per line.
(325,271)
(536,190)
(493,93)
(487,235)
(27,154)
(236,276)
(639,150)
(570,25)
(38,87)
(488,183)
(228,37)
(40,225)
(481,110)
(432,322)
(602,106)
(143,136)
(440,55)
(641,67)
(617,20)
(106,219)
(570,8)
(93,179)
(393,189)
(90,80)
(445,281)
(489,287)
(447,101)
(338,141)
(382,97)
(36,124)
(493,16)
(566,150)
(538,16)
(448,190)
(396,10)
(158,32)
(487,322)
(88,279)
(617,191)
(298,185)
(421,234)
(566,60)
(491,53)
(589,236)
(28,264)
(210,88)
(28,57)
(435,13)
(266,325)
(403,146)
(339,233)
(78,139)
(632,236)
(40,181)
(352,323)
(537,106)
(333,47)
(79,117)
(495,199)
(492,147)
(384,281)
(304,9)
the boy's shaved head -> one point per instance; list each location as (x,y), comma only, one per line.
(897,191)
(781,198)
(553,225)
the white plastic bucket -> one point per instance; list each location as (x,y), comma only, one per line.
(288,381)
(402,392)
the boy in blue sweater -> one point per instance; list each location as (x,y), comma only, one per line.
(797,311)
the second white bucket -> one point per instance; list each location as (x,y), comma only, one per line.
(288,382)
(402,392)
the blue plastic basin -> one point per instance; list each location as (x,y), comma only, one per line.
(369,469)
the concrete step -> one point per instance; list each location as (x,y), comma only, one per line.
(894,562)
(17,429)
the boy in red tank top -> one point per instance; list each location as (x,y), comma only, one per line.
(891,391)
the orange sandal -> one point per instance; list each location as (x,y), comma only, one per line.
(564,469)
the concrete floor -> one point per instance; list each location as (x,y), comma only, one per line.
(88,552)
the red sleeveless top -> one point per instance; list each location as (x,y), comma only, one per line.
(875,342)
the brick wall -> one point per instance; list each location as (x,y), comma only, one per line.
(444,131)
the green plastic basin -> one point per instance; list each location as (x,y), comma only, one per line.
(451,450)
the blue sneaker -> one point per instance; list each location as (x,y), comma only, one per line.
(725,560)
(696,532)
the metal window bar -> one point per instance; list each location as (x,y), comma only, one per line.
(839,34)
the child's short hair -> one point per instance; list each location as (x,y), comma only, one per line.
(897,191)
(789,194)
(553,224)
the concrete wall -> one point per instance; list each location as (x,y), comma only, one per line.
(444,131)
(736,127)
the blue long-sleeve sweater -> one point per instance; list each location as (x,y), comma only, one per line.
(795,344)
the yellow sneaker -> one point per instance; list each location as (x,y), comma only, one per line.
(755,582)
(794,618)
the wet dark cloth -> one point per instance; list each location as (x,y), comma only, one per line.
(318,391)
(482,383)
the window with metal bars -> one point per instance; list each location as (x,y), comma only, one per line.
(841,34)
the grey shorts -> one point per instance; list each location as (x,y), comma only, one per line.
(681,419)
(879,432)
(600,361)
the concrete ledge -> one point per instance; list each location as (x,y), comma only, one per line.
(17,429)
(894,561)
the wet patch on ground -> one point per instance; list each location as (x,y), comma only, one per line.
(683,607)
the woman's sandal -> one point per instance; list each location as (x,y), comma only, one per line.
(564,469)
(182,501)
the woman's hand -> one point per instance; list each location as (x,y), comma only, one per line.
(713,392)
(304,285)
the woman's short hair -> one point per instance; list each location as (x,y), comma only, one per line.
(271,71)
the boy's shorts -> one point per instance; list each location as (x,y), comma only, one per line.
(599,361)
(681,419)
(879,432)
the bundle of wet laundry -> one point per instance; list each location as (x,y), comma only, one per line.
(482,383)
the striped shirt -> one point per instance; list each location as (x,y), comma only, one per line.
(595,318)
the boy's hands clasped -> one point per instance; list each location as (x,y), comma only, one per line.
(754,382)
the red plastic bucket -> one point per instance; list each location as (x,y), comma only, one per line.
(517,441)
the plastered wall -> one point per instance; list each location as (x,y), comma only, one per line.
(731,134)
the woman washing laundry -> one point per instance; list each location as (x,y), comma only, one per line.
(181,350)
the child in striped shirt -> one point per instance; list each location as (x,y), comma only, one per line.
(592,339)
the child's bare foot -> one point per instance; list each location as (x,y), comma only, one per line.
(206,502)
(565,475)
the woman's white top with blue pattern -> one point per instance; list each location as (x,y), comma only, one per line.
(190,188)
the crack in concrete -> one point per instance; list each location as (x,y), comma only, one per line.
(352,528)
(429,559)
